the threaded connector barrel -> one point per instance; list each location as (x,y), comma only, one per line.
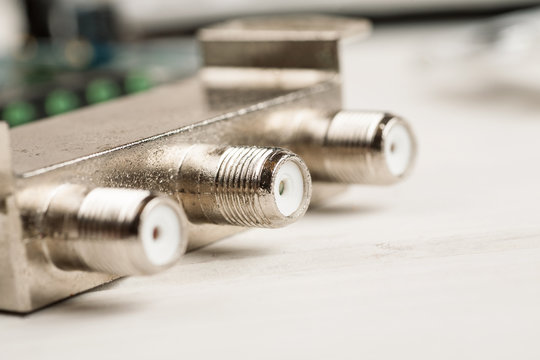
(349,147)
(367,148)
(243,185)
(109,230)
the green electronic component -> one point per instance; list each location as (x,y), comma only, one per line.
(18,113)
(137,82)
(61,101)
(101,90)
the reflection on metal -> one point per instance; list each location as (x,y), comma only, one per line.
(209,142)
(218,184)
(350,147)
(110,230)
(289,42)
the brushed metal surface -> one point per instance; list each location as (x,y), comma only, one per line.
(38,282)
(296,42)
(78,148)
(216,184)
(338,146)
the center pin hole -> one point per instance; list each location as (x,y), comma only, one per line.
(156,233)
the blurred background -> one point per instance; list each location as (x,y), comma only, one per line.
(60,55)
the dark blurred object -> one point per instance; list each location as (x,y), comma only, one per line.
(87,28)
(37,13)
(73,58)
(93,20)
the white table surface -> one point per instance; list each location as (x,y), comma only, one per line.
(443,266)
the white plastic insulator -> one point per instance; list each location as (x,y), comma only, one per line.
(161,234)
(289,188)
(398,149)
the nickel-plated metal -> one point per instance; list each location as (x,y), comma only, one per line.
(358,147)
(286,42)
(246,57)
(79,148)
(349,147)
(14,284)
(216,184)
(103,229)
(6,172)
(30,280)
(237,185)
